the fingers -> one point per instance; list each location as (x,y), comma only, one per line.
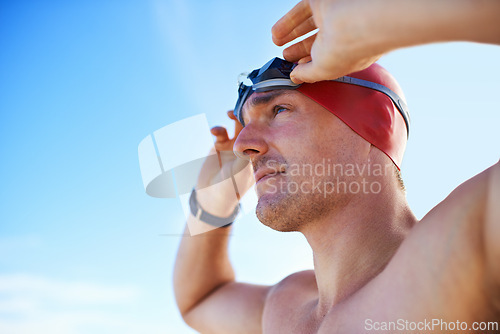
(298,16)
(222,140)
(230,114)
(220,134)
(305,60)
(307,72)
(300,30)
(237,125)
(299,50)
(313,71)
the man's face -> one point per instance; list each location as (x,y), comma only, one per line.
(292,142)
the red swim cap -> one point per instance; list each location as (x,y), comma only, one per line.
(370,113)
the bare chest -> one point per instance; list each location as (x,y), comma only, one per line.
(375,311)
(418,285)
(437,273)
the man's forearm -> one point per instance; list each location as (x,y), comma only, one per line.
(432,21)
(202,266)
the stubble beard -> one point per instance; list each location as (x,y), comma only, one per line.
(288,212)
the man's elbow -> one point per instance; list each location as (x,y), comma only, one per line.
(188,313)
(196,311)
(188,318)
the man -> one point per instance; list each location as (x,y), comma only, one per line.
(375,266)
(372,263)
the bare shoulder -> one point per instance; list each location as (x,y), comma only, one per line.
(492,226)
(300,282)
(445,265)
(300,277)
(290,302)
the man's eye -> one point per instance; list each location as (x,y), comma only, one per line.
(279,109)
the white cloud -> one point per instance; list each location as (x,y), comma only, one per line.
(65,292)
(35,304)
(17,305)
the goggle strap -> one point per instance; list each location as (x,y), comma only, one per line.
(288,84)
(247,91)
(274,82)
(398,102)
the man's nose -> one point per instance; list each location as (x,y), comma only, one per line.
(251,142)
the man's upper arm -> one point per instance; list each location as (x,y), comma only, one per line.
(487,222)
(492,225)
(232,308)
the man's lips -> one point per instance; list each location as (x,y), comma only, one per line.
(265,173)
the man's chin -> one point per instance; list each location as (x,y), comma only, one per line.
(271,211)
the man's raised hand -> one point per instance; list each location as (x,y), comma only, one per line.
(339,47)
(224,178)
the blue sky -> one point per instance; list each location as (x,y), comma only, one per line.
(83,249)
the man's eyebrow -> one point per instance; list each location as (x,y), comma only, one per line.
(262,98)
(265,98)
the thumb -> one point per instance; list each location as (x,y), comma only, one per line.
(306,72)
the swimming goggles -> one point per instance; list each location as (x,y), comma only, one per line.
(275,74)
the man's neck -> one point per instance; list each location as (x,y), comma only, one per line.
(355,244)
